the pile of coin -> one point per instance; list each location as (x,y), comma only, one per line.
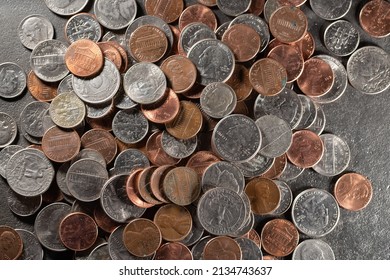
(168,136)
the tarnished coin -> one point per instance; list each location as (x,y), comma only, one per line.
(236,138)
(309,112)
(198,13)
(198,249)
(130,126)
(336,156)
(145,83)
(193,33)
(11,243)
(115,15)
(67,110)
(277,167)
(5,154)
(133,190)
(168,10)
(100,252)
(29,172)
(102,141)
(47,60)
(250,250)
(315,212)
(12,80)
(143,182)
(34,29)
(222,248)
(39,89)
(368,70)
(23,206)
(239,82)
(32,249)
(83,26)
(130,159)
(163,111)
(155,151)
(218,100)
(331,10)
(67,7)
(47,224)
(341,38)
(286,198)
(8,129)
(353,191)
(142,237)
(213,59)
(264,195)
(256,166)
(374,18)
(32,116)
(313,249)
(173,251)
(233,8)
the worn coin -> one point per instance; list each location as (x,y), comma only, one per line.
(222,248)
(67,7)
(130,159)
(193,33)
(168,10)
(12,80)
(156,153)
(39,89)
(67,110)
(313,249)
(23,206)
(331,10)
(233,8)
(83,26)
(309,112)
(34,29)
(250,250)
(173,251)
(198,13)
(115,15)
(341,38)
(8,130)
(197,229)
(130,126)
(374,18)
(103,221)
(11,243)
(218,100)
(264,195)
(32,249)
(256,166)
(144,185)
(198,248)
(133,192)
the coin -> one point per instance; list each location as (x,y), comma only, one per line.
(67,110)
(201,160)
(264,195)
(156,153)
(198,13)
(133,192)
(250,250)
(318,125)
(39,89)
(66,8)
(23,206)
(239,82)
(173,251)
(5,154)
(115,16)
(374,18)
(11,243)
(168,10)
(341,38)
(103,221)
(100,252)
(83,26)
(32,249)
(256,166)
(309,112)
(313,249)
(222,248)
(286,198)
(130,126)
(277,168)
(143,181)
(8,129)
(332,10)
(12,80)
(32,116)
(193,33)
(163,111)
(218,100)
(353,191)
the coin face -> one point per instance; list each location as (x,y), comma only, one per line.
(34,29)
(173,251)
(250,250)
(115,16)
(374,18)
(218,100)
(39,89)
(313,249)
(11,244)
(198,13)
(12,80)
(83,26)
(32,249)
(222,248)
(233,9)
(130,126)
(264,195)
(168,10)
(67,110)
(8,129)
(331,10)
(341,38)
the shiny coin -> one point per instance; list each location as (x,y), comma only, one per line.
(168,10)
(67,110)
(313,249)
(23,206)
(66,8)
(32,249)
(222,248)
(83,26)
(291,172)
(374,18)
(201,160)
(34,29)
(115,16)
(130,126)
(12,80)
(11,244)
(264,195)
(102,141)
(193,33)
(198,13)
(173,251)
(218,100)
(250,250)
(309,112)
(341,38)
(8,129)
(39,89)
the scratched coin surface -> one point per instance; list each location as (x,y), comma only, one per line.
(32,249)
(115,15)
(178,148)
(331,10)
(12,80)
(313,249)
(67,110)
(8,129)
(11,243)
(374,18)
(341,38)
(130,159)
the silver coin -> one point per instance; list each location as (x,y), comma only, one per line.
(115,15)
(130,126)
(258,24)
(101,88)
(249,249)
(117,248)
(83,26)
(315,212)
(129,160)
(213,59)
(233,8)
(198,248)
(23,206)
(223,174)
(340,81)
(221,211)
(178,148)
(236,138)
(218,100)
(97,111)
(341,38)
(31,118)
(276,136)
(32,249)
(318,125)
(12,80)
(286,198)
(111,36)
(291,172)
(256,166)
(115,202)
(47,225)
(309,112)
(34,29)
(83,255)
(332,9)
(66,85)
(246,227)
(100,252)
(66,7)
(285,105)
(193,33)
(122,101)
(313,249)
(29,172)
(145,83)
(5,154)
(28,137)
(61,178)
(8,129)
(47,60)
(87,153)
(368,70)
(197,229)
(67,110)
(221,30)
(85,179)
(336,156)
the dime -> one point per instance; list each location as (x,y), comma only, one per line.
(11,243)
(12,80)
(341,38)
(130,126)
(264,195)
(374,18)
(222,248)
(233,8)
(129,160)
(197,229)
(222,29)
(83,26)
(115,15)
(313,249)
(168,10)
(198,249)
(67,7)
(8,129)
(218,100)
(277,168)
(34,29)
(32,249)
(291,172)
(331,10)
(67,110)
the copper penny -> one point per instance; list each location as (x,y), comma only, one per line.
(168,10)
(164,110)
(201,160)
(187,123)
(288,24)
(182,185)
(174,221)
(156,153)
(176,38)
(277,168)
(374,18)
(268,77)
(11,244)
(241,108)
(103,220)
(78,231)
(256,7)
(222,248)
(194,92)
(142,237)
(306,45)
(125,60)
(279,237)
(148,43)
(353,191)
(133,191)
(111,53)
(239,82)
(254,236)
(156,182)
(60,145)
(84,58)
(198,13)
(291,58)
(317,77)
(144,188)
(39,89)
(101,141)
(180,72)
(306,149)
(173,251)
(243,40)
(264,195)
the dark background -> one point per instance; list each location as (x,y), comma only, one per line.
(361,120)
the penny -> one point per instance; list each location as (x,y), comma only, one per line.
(201,160)
(148,43)
(263,194)
(115,15)
(132,190)
(23,206)
(12,80)
(32,249)
(236,36)
(67,110)
(168,10)
(233,9)
(254,236)
(256,166)
(256,7)
(193,33)
(222,248)
(313,249)
(66,8)
(130,126)
(198,249)
(309,112)
(11,244)
(374,18)
(129,160)
(182,185)
(78,231)
(267,76)
(142,237)
(164,110)
(239,82)
(341,38)
(315,212)
(332,10)
(103,221)
(270,6)
(277,168)
(218,100)
(288,24)
(123,54)
(156,182)
(279,237)
(144,185)
(197,13)
(83,26)
(156,153)
(8,130)
(173,251)
(353,191)
(39,89)
(102,141)
(286,198)
(250,250)
(306,45)
(5,154)
(318,125)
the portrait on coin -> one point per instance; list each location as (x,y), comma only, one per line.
(116,9)
(35,30)
(210,62)
(8,81)
(7,243)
